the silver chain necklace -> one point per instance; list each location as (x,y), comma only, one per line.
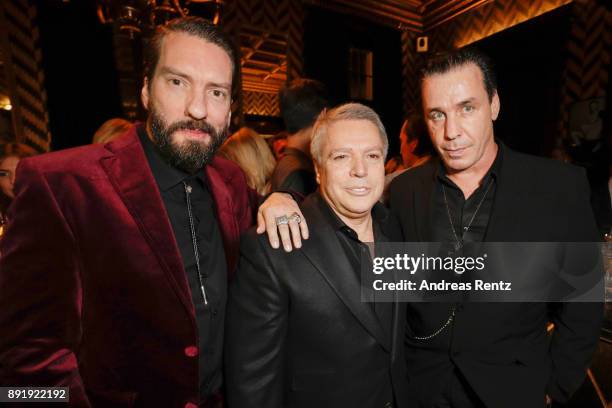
(458,245)
(194,241)
(459,242)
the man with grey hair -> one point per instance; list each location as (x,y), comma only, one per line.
(312,342)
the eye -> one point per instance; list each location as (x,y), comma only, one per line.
(468,108)
(176,82)
(219,94)
(5,173)
(436,116)
(374,156)
(339,157)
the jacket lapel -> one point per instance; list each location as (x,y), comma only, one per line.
(326,254)
(224,208)
(130,175)
(422,204)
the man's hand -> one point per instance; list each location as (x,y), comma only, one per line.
(280,214)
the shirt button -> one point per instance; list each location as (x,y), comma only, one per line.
(191,351)
(191,405)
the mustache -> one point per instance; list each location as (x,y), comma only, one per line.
(199,125)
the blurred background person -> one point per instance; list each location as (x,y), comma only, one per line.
(393,164)
(415,149)
(250,151)
(415,144)
(10,154)
(301,101)
(111,129)
(278,144)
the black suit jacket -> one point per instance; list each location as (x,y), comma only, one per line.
(298,334)
(502,348)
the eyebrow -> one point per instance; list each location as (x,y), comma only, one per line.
(168,70)
(462,103)
(467,101)
(171,71)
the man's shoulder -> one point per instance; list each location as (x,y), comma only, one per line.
(540,170)
(414,175)
(76,160)
(68,160)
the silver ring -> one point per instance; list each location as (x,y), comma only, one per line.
(295,217)
(282,220)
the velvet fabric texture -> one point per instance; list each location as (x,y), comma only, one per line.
(94,295)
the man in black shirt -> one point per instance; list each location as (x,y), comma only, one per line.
(489,354)
(114,278)
(312,342)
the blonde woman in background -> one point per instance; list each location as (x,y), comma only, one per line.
(110,130)
(251,152)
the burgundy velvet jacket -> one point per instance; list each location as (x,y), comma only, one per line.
(93,293)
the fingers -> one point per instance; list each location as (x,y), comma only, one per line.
(272,231)
(261,223)
(285,237)
(303,226)
(295,234)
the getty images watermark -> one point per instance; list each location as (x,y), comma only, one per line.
(483,272)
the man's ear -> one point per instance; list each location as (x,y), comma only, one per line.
(144,93)
(318,178)
(495,106)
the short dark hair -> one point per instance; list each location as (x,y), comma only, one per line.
(443,62)
(301,101)
(197,27)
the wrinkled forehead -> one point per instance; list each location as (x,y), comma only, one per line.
(194,56)
(468,73)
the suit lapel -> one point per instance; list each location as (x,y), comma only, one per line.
(225,216)
(422,204)
(326,254)
(130,175)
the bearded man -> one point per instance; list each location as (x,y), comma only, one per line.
(114,279)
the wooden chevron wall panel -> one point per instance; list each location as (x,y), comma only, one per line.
(488,19)
(411,60)
(588,62)
(260,103)
(23,72)
(270,20)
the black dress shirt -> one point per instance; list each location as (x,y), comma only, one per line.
(470,216)
(355,250)
(210,317)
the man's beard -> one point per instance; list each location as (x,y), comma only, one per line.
(190,155)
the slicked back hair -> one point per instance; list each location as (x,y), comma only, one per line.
(443,62)
(197,27)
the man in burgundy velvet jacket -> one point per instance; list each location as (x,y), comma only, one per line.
(114,267)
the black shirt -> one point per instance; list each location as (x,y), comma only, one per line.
(470,217)
(355,250)
(209,318)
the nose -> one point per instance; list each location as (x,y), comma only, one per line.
(451,128)
(197,108)
(358,168)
